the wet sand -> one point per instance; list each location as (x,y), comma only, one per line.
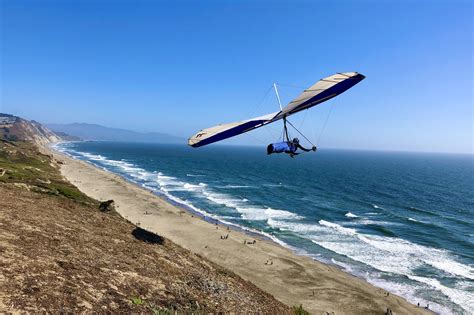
(291,278)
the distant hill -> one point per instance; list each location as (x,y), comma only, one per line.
(67,137)
(13,128)
(101,133)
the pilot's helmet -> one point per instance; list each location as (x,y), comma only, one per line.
(296,140)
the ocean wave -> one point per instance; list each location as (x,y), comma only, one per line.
(235,186)
(246,209)
(338,227)
(192,187)
(382,229)
(364,221)
(273,185)
(298,228)
(450,266)
(351,215)
(223,199)
(463,298)
(425,212)
(410,292)
(255,213)
(346,267)
(165,181)
(379,226)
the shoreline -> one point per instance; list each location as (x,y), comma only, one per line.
(292,278)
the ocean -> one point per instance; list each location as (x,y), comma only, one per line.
(402,221)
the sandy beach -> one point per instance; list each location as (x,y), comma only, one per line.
(291,278)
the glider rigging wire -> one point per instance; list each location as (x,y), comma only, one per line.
(325,122)
(300,132)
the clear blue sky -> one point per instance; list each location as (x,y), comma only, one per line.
(182,66)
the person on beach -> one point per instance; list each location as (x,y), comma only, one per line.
(288,147)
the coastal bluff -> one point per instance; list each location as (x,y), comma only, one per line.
(60,253)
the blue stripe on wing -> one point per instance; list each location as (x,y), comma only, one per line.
(246,126)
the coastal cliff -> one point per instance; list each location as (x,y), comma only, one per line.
(14,128)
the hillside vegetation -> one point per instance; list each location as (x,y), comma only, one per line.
(22,164)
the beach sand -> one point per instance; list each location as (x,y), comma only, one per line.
(292,279)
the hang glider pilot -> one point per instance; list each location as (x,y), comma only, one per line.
(288,147)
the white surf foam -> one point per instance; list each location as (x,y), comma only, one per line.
(344,266)
(338,227)
(165,181)
(363,221)
(256,213)
(450,266)
(463,298)
(298,228)
(223,199)
(192,187)
(273,185)
(351,215)
(410,292)
(414,220)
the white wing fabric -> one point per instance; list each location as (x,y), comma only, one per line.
(321,91)
(224,131)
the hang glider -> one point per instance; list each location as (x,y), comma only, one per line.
(321,91)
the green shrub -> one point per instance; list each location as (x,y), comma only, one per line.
(137,301)
(299,310)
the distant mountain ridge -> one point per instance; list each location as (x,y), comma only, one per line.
(101,133)
(14,128)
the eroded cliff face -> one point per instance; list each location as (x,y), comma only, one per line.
(14,128)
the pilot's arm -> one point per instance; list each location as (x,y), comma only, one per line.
(306,150)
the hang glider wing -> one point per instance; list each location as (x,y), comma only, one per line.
(321,91)
(224,131)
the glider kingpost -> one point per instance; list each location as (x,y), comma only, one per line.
(321,91)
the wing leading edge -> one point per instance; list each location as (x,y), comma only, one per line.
(318,93)
(224,131)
